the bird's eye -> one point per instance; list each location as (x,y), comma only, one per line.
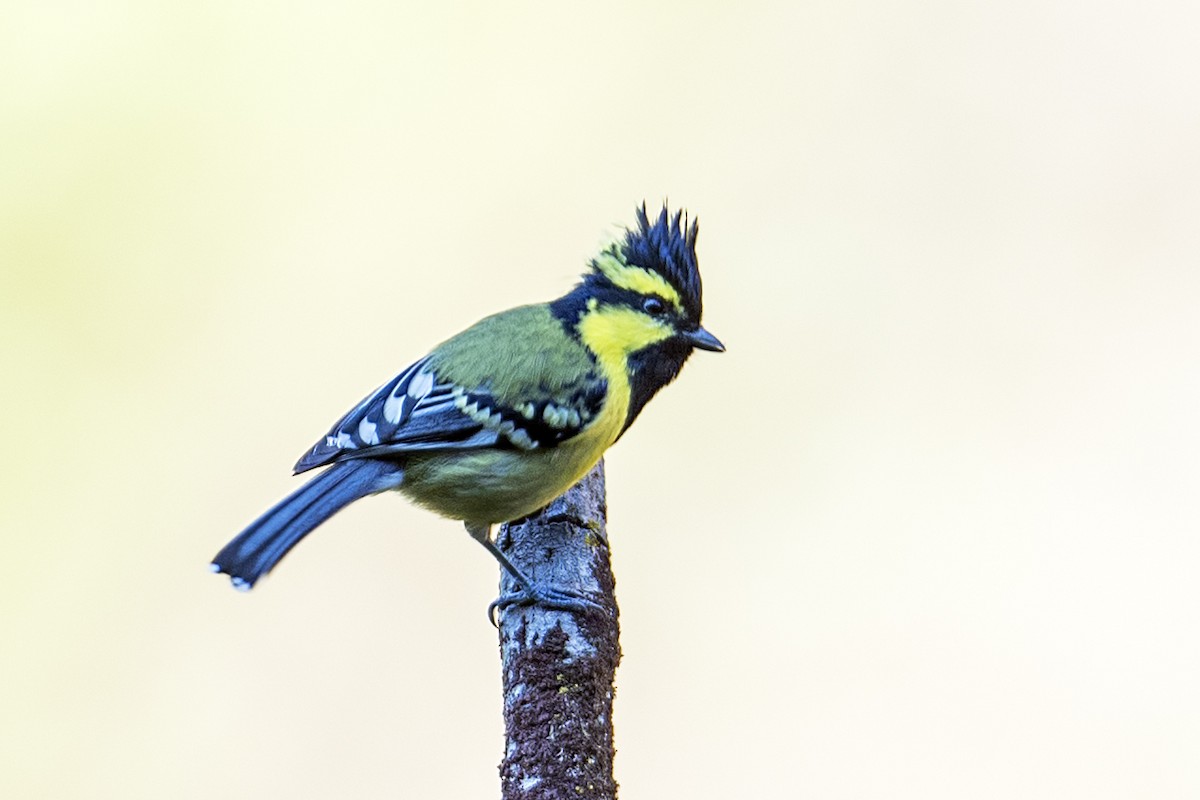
(654,306)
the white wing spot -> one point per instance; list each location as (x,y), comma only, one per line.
(557,416)
(421,384)
(342,441)
(367,432)
(521,439)
(477,411)
(393,409)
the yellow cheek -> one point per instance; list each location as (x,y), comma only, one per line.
(614,333)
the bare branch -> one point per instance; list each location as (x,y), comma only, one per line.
(558,666)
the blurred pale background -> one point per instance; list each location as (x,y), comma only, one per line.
(927,530)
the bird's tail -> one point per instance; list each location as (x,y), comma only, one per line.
(253,552)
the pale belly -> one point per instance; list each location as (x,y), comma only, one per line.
(493,486)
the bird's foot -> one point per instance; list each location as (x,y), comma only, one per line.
(547,598)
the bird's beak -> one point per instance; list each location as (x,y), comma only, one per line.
(703,340)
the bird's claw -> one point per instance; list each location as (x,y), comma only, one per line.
(550,599)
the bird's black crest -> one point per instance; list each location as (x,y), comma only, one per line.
(668,247)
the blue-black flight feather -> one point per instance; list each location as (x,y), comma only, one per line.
(258,548)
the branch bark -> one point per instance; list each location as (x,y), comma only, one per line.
(558,666)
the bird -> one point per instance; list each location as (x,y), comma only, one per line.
(503,417)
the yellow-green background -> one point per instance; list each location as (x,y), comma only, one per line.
(928,529)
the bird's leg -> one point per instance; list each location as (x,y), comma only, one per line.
(530,592)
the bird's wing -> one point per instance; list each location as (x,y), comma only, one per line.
(418,412)
(412,411)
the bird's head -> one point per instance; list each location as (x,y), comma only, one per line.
(641,303)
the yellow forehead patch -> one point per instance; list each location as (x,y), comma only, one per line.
(637,279)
